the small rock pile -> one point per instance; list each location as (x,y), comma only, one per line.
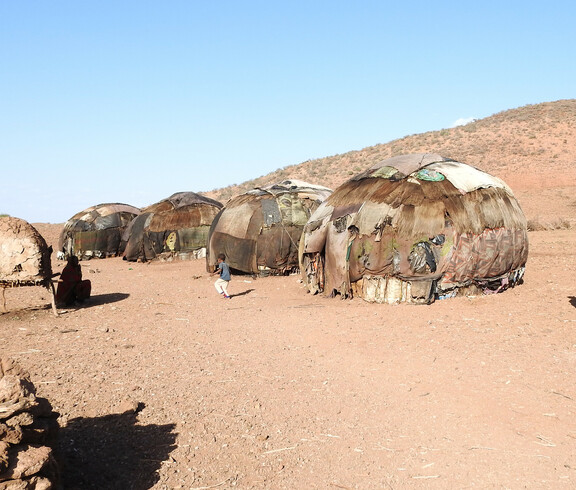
(27,426)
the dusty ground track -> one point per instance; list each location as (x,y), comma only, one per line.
(161,383)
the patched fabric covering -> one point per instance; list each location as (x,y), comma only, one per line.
(236,220)
(141,246)
(405,164)
(270,212)
(180,200)
(491,254)
(97,231)
(467,178)
(177,226)
(316,229)
(259,231)
(418,218)
(102,216)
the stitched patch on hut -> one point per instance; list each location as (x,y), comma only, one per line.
(97,231)
(416,228)
(259,231)
(176,227)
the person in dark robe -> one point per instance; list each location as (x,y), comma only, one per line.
(71,287)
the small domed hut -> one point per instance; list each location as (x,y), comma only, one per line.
(96,231)
(176,227)
(259,230)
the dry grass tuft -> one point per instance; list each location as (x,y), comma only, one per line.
(559,224)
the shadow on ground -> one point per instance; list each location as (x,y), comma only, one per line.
(102,299)
(248,291)
(112,452)
(26,309)
(572,300)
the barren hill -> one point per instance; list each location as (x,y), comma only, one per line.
(533,148)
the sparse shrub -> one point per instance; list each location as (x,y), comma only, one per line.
(559,224)
(535,225)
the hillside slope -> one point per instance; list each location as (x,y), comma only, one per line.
(533,148)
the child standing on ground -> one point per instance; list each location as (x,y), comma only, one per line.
(221,283)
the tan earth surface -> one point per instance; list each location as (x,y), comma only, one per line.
(161,383)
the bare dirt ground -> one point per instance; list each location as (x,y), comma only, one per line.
(161,383)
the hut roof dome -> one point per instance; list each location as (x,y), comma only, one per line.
(293,186)
(431,166)
(179,200)
(106,209)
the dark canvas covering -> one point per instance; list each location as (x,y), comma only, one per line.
(176,226)
(97,231)
(259,231)
(415,227)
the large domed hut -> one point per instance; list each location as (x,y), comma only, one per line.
(96,231)
(24,257)
(415,228)
(176,227)
(259,230)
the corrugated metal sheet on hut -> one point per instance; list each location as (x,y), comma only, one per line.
(176,227)
(259,230)
(416,228)
(97,231)
(24,257)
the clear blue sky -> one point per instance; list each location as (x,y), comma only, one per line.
(131,101)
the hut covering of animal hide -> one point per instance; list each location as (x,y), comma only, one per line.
(24,255)
(259,231)
(97,231)
(176,227)
(414,228)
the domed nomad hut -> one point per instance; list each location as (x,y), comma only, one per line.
(176,227)
(96,231)
(259,230)
(415,228)
(24,258)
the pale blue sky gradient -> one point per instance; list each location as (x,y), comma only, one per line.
(131,101)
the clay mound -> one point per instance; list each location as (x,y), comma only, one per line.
(27,427)
(24,254)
